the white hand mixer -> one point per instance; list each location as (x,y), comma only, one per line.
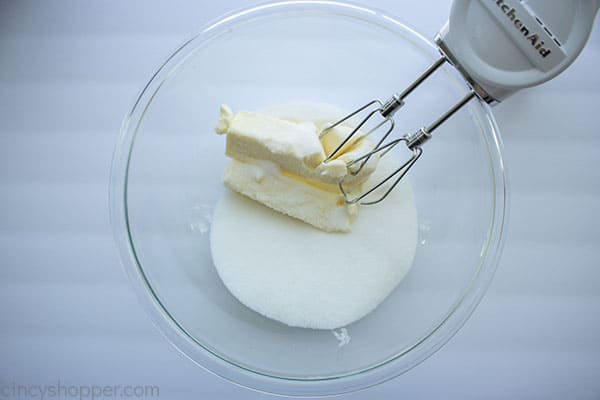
(499,47)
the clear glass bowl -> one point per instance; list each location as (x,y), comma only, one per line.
(166,178)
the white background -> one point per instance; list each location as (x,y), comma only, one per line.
(70,70)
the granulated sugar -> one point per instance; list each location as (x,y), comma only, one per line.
(294,273)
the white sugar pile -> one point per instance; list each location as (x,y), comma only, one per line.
(296,274)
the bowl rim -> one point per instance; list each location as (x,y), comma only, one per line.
(176,334)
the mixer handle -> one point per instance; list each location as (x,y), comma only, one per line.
(501,46)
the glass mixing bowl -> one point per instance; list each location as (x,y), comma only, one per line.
(166,178)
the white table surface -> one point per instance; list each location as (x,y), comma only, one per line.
(68,73)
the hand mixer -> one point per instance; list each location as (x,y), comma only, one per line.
(499,47)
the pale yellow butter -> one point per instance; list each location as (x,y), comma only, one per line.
(281,164)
